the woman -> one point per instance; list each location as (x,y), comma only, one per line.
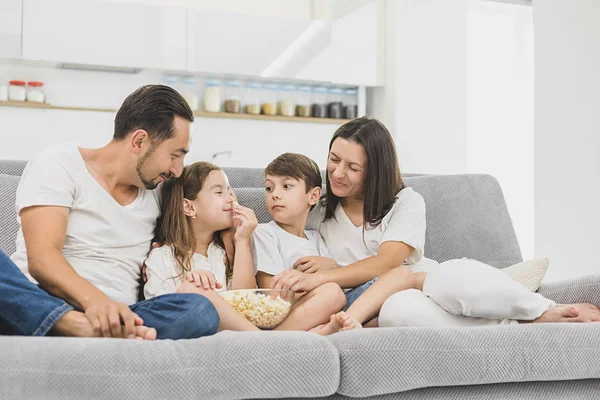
(374,225)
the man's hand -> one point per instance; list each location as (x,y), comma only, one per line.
(296,281)
(108,317)
(314,264)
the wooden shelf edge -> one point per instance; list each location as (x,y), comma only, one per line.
(202,114)
(262,117)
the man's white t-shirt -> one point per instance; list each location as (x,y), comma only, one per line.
(106,243)
(405,222)
(275,250)
(164,273)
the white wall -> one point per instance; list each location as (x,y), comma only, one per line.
(567,135)
(25,132)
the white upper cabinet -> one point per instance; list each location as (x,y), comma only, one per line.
(102,33)
(10,28)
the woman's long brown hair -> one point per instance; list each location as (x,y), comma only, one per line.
(173,227)
(383,180)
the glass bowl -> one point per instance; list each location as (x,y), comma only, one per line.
(265,308)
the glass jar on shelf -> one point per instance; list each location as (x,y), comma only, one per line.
(252,97)
(172,82)
(350,103)
(35,92)
(17,90)
(270,94)
(319,107)
(190,93)
(212,96)
(335,103)
(303,101)
(286,102)
(232,103)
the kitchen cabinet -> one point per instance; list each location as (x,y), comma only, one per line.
(10,28)
(97,32)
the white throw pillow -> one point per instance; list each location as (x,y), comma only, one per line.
(529,273)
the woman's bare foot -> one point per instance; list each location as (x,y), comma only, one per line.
(350,323)
(334,325)
(583,312)
(76,324)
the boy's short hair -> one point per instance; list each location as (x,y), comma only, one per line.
(296,166)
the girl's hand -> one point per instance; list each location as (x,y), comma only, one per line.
(296,281)
(203,278)
(245,221)
(313,264)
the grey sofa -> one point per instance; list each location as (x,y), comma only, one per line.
(467,217)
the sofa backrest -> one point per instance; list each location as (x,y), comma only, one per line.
(466,214)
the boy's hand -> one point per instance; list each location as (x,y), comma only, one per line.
(313,264)
(203,278)
(296,281)
(246,223)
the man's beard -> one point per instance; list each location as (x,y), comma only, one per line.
(149,184)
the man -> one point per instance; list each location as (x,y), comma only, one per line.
(87,220)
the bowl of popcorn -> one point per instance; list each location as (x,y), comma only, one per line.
(265,308)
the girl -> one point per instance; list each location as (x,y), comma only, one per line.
(196,209)
(374,227)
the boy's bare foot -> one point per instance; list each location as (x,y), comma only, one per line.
(75,323)
(350,322)
(583,312)
(334,325)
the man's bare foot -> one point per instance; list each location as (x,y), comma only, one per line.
(75,323)
(350,322)
(583,312)
(334,325)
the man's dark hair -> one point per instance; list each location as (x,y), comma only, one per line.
(153,109)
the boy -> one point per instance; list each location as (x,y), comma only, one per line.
(293,186)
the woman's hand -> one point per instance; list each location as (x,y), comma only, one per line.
(246,222)
(313,264)
(296,281)
(203,278)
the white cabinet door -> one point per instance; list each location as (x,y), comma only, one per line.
(10,29)
(97,32)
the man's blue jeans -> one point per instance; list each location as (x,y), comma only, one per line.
(26,309)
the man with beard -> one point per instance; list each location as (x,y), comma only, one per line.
(87,220)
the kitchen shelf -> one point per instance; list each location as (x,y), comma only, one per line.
(203,114)
(262,117)
(31,104)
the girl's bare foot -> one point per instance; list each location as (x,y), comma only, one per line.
(334,325)
(350,323)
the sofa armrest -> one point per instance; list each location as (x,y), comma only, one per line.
(584,289)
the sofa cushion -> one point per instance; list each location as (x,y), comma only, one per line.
(529,273)
(8,214)
(229,365)
(389,360)
(12,167)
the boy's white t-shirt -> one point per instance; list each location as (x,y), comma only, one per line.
(106,243)
(275,250)
(405,222)
(164,273)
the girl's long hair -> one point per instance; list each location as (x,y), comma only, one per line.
(173,227)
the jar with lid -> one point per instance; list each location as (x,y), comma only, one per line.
(35,92)
(335,105)
(3,92)
(350,103)
(271,93)
(190,93)
(303,101)
(172,81)
(231,94)
(286,103)
(252,98)
(17,91)
(212,96)
(319,107)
